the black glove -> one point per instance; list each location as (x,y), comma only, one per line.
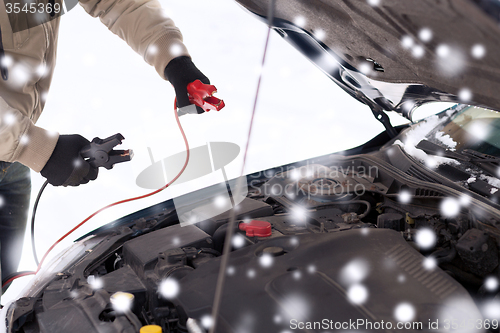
(66,166)
(180,72)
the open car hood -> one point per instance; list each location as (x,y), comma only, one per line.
(395,55)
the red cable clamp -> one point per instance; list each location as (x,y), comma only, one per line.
(201,95)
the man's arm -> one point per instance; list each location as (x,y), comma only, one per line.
(56,157)
(22,141)
(143,25)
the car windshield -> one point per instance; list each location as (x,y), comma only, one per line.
(476,128)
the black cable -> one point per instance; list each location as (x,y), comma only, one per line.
(33,221)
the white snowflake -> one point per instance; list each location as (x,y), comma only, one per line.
(266,260)
(311,269)
(295,174)
(41,70)
(450,61)
(231,270)
(357,294)
(429,263)
(219,201)
(491,309)
(354,272)
(122,302)
(169,288)
(176,50)
(299,214)
(373,3)
(465,199)
(9,119)
(407,42)
(152,50)
(365,68)
(7,61)
(443,50)
(251,273)
(95,282)
(207,321)
(450,207)
(19,75)
(478,51)
(491,283)
(425,35)
(465,95)
(238,241)
(320,34)
(24,139)
(166,13)
(296,307)
(417,51)
(43,96)
(425,238)
(404,197)
(404,312)
(300,21)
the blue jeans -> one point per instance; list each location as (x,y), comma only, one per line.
(15,191)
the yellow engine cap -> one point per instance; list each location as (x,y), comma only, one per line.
(122,302)
(150,329)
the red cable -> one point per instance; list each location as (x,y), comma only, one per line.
(113,204)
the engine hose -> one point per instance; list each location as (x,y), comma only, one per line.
(444,255)
(346,203)
(220,236)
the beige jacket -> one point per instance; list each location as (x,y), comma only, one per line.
(141,23)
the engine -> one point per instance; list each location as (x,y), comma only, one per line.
(324,241)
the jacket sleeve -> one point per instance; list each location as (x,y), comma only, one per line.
(144,26)
(22,141)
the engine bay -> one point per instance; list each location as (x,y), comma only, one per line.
(336,237)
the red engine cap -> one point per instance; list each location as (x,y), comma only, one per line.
(256,228)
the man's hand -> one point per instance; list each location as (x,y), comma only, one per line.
(66,166)
(180,72)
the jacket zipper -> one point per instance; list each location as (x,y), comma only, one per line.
(3,68)
(44,63)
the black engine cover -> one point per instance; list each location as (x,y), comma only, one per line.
(309,282)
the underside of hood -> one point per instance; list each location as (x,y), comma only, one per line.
(396,55)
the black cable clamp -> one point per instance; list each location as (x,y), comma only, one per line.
(100,152)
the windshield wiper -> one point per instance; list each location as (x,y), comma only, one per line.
(488,163)
(437,150)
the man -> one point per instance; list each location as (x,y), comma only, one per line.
(23,145)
